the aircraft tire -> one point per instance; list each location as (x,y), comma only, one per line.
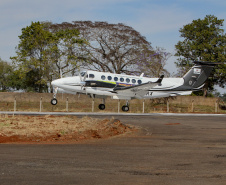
(54,101)
(125,108)
(101,106)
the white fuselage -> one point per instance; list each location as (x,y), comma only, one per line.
(102,84)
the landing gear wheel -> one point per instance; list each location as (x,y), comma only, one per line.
(125,108)
(54,101)
(101,106)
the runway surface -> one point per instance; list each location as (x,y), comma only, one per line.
(169,149)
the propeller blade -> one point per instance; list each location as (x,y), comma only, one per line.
(85,76)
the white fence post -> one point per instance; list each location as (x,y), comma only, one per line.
(14,106)
(143,105)
(192,106)
(93,105)
(216,106)
(40,105)
(167,105)
(67,105)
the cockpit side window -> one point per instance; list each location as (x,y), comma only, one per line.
(91,76)
(83,73)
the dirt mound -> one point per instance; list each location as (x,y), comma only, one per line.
(55,129)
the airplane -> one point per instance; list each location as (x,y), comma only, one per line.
(127,87)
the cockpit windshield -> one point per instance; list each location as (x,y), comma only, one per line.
(83,73)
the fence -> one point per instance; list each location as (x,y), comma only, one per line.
(82,103)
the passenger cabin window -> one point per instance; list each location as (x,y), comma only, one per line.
(109,78)
(116,79)
(121,79)
(139,82)
(103,77)
(133,81)
(127,80)
(91,76)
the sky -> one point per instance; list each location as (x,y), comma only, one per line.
(158,20)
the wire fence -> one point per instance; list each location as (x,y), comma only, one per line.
(35,102)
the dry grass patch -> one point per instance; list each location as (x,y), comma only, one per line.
(56,128)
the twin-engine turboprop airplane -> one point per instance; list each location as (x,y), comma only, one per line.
(127,87)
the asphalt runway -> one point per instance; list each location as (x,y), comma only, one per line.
(169,149)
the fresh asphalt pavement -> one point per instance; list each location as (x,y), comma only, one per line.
(168,149)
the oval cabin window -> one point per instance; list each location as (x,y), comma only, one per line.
(103,77)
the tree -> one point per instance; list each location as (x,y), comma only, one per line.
(5,72)
(43,54)
(65,52)
(152,63)
(115,48)
(32,53)
(204,40)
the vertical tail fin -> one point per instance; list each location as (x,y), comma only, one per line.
(198,74)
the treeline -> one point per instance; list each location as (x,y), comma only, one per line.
(47,51)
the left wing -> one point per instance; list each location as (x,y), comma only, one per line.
(138,90)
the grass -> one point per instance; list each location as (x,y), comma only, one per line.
(82,103)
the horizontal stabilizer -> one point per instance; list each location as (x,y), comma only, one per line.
(207,63)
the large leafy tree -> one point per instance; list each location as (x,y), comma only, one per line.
(111,47)
(5,73)
(65,52)
(43,54)
(32,54)
(204,40)
(152,63)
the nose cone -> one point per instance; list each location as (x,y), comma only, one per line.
(57,82)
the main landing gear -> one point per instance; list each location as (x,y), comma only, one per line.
(125,108)
(102,105)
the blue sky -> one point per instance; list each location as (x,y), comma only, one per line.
(158,20)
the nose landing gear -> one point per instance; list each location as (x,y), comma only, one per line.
(54,100)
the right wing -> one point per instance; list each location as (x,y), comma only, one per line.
(138,91)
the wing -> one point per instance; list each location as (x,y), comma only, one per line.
(138,91)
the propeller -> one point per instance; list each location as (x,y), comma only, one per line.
(83,77)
